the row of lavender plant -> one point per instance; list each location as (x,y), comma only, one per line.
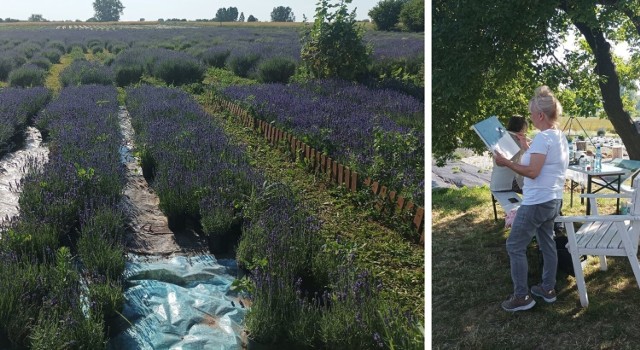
(25,62)
(198,174)
(242,50)
(65,250)
(18,106)
(308,293)
(378,132)
(196,171)
(269,40)
(176,68)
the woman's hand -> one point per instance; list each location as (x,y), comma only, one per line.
(524,141)
(500,159)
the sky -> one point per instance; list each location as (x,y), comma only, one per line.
(151,10)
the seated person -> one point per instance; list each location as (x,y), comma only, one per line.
(503,178)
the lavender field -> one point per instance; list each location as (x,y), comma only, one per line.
(110,101)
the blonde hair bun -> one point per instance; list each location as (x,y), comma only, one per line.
(546,102)
(543,91)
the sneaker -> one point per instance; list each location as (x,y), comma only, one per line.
(548,296)
(514,303)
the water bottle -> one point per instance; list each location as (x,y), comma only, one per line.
(571,152)
(597,166)
(624,207)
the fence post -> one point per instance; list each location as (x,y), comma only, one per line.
(323,163)
(347,178)
(417,220)
(354,181)
(374,187)
(400,203)
(293,146)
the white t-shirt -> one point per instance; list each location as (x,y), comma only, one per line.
(549,184)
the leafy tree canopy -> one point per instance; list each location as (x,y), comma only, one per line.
(36,18)
(412,15)
(107,10)
(241,18)
(229,14)
(486,61)
(282,14)
(386,14)
(252,19)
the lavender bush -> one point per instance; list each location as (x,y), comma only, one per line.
(215,56)
(311,295)
(6,65)
(197,173)
(380,133)
(81,72)
(175,68)
(17,108)
(28,75)
(72,203)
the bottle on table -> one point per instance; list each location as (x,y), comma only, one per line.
(571,152)
(597,163)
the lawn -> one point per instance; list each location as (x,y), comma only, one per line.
(470,278)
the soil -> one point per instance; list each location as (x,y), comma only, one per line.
(472,170)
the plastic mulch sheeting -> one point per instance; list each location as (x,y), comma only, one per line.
(180,302)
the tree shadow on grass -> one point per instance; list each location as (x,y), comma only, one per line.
(471,276)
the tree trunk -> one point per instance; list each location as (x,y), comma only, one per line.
(610,89)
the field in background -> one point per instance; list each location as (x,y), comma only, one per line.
(154,22)
(591,125)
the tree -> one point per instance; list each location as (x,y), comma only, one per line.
(36,18)
(229,14)
(282,14)
(241,18)
(252,19)
(333,46)
(487,62)
(412,15)
(386,14)
(107,10)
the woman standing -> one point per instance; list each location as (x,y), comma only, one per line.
(543,167)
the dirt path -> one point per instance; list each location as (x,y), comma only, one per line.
(470,172)
(13,168)
(149,232)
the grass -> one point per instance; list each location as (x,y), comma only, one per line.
(53,79)
(397,262)
(52,82)
(471,278)
(219,79)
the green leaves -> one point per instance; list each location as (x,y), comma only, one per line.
(333,47)
(84,174)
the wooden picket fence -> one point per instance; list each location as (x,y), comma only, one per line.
(321,163)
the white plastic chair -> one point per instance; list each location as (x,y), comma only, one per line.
(605,235)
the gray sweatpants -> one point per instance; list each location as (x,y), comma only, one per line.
(532,220)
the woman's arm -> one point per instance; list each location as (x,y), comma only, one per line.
(531,171)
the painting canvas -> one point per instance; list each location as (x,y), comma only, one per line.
(496,137)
